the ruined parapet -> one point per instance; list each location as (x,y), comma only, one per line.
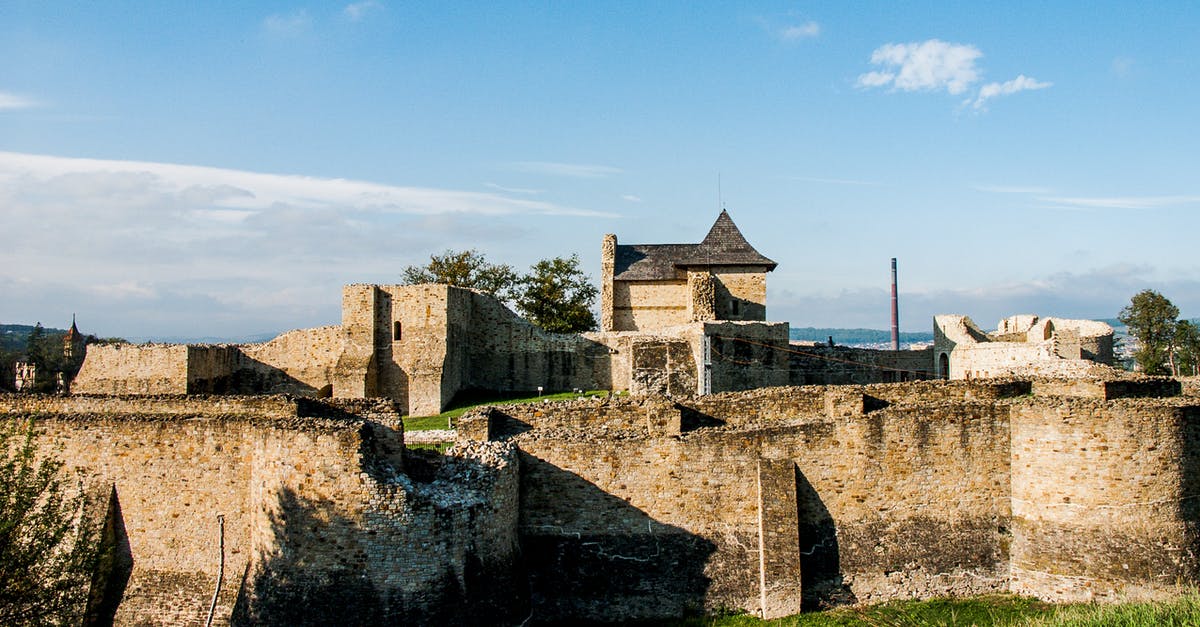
(703,302)
(608,255)
(1024,346)
(1103,498)
(134,369)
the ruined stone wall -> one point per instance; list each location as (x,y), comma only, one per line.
(620,499)
(740,293)
(839,365)
(211,368)
(1004,359)
(1104,497)
(297,362)
(356,374)
(746,356)
(649,305)
(133,369)
(324,522)
(608,260)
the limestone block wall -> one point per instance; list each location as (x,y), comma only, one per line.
(133,369)
(297,362)
(323,522)
(746,356)
(1104,497)
(898,502)
(356,374)
(839,365)
(649,305)
(740,293)
(211,368)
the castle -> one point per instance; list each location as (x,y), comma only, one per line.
(733,475)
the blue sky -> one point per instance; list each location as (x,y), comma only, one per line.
(193,169)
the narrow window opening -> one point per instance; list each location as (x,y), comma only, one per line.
(396,331)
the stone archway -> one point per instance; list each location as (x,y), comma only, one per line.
(944,366)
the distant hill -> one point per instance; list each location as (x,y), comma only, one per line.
(13,336)
(856,336)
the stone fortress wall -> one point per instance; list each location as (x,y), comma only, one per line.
(1022,345)
(324,519)
(767,500)
(775,499)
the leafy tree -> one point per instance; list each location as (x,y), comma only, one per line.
(47,545)
(467,268)
(1151,319)
(45,351)
(1187,346)
(557,296)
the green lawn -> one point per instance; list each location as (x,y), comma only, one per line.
(464,401)
(999,611)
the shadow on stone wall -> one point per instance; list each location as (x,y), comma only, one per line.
(292,586)
(820,559)
(114,566)
(593,558)
(1190,490)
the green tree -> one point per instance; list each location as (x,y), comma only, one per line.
(48,547)
(45,351)
(557,296)
(1151,319)
(467,268)
(1187,347)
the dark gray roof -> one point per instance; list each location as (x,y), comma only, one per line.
(723,246)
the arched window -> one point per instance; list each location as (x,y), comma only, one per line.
(396,331)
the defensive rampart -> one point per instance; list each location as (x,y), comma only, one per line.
(324,520)
(776,499)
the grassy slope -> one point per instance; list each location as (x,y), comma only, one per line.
(998,611)
(460,405)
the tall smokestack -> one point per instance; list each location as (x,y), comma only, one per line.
(895,311)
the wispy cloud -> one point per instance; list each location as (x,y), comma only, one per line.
(807,30)
(220,248)
(1020,83)
(514,190)
(1121,202)
(288,24)
(931,65)
(356,11)
(631,198)
(13,102)
(571,170)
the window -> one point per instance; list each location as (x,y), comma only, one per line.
(396,331)
(735,307)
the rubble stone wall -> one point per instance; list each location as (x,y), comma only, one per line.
(133,369)
(324,520)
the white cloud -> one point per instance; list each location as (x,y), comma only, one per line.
(288,24)
(358,10)
(571,170)
(631,198)
(12,102)
(1020,83)
(931,65)
(1120,202)
(125,243)
(807,30)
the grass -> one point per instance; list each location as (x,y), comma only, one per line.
(470,399)
(997,611)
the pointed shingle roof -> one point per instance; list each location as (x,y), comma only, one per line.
(723,246)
